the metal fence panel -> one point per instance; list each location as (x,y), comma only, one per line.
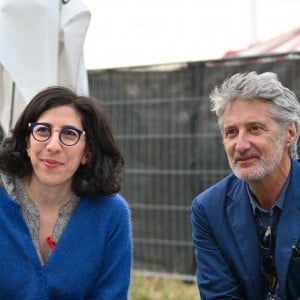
(172,146)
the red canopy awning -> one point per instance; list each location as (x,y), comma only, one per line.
(283,43)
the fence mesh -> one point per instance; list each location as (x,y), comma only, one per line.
(172,146)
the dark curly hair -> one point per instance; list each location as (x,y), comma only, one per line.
(102,174)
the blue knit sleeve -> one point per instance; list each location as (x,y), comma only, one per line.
(115,274)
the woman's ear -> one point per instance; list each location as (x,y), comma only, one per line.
(28,147)
(86,158)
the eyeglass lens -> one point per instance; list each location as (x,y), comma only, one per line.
(268,266)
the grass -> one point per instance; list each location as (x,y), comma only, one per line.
(158,288)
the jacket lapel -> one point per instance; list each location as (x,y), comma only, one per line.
(240,216)
(288,227)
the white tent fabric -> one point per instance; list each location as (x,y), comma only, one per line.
(41,45)
(283,43)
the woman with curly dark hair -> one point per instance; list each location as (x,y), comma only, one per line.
(65,231)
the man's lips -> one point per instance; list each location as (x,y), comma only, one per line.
(245,159)
(50,163)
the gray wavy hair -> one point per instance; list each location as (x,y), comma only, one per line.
(285,107)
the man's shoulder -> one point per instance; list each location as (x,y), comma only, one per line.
(295,172)
(217,193)
(224,184)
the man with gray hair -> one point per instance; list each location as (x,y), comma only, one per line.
(246,228)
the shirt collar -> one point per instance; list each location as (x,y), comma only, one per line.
(279,201)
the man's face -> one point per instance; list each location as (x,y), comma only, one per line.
(253,140)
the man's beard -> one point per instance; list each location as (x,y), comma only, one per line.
(268,163)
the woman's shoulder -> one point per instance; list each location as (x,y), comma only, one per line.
(104,210)
(11,183)
(114,202)
(9,187)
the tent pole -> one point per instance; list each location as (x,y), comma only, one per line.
(12,105)
(253,23)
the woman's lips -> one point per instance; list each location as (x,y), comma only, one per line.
(50,163)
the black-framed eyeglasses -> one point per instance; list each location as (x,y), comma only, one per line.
(268,266)
(68,135)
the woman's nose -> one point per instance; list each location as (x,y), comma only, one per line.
(54,141)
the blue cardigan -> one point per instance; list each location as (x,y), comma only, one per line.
(92,259)
(226,243)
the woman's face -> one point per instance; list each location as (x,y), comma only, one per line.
(54,163)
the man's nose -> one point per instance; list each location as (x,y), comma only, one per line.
(242,143)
